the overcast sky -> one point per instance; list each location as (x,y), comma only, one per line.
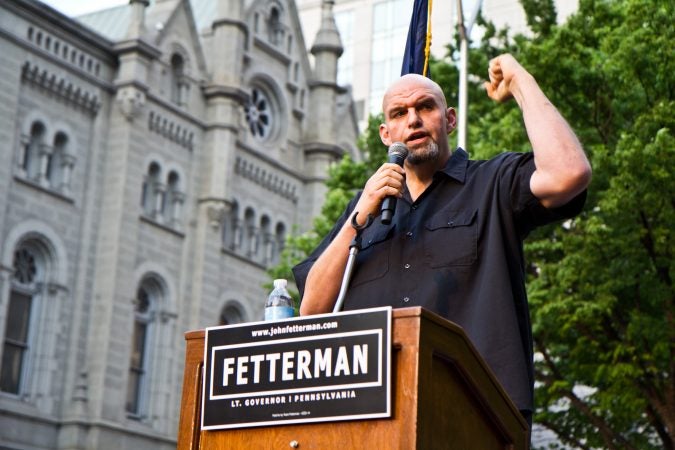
(79,7)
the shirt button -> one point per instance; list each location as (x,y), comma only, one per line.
(407,266)
(414,206)
(409,234)
(406,299)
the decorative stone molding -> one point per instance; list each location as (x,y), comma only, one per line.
(171,130)
(159,189)
(80,396)
(62,49)
(269,181)
(272,51)
(216,212)
(55,288)
(165,316)
(131,102)
(72,94)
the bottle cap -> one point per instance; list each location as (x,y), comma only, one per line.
(280,283)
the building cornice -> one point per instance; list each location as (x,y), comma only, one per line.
(218,90)
(69,92)
(32,10)
(271,161)
(139,46)
(321,147)
(230,22)
(313,84)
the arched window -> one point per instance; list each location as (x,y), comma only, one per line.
(275,27)
(148,296)
(251,234)
(280,242)
(27,281)
(267,240)
(174,198)
(49,164)
(32,148)
(232,229)
(179,83)
(59,164)
(152,196)
(231,314)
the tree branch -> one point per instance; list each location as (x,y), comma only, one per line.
(648,242)
(666,437)
(608,435)
(563,436)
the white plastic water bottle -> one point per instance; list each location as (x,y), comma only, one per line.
(279,304)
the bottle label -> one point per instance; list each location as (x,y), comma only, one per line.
(279,312)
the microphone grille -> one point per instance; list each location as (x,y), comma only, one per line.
(399,149)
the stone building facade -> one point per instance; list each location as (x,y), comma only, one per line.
(155,157)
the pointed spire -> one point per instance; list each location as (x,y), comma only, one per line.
(327,46)
(137,25)
(328,38)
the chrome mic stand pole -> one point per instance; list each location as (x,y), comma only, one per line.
(354,248)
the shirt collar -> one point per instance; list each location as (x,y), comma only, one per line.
(456,165)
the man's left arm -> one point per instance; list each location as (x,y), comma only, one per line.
(562,169)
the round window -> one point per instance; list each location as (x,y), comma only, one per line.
(259,114)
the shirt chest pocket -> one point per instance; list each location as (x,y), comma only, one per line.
(372,261)
(451,238)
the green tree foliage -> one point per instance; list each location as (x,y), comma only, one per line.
(541,16)
(601,292)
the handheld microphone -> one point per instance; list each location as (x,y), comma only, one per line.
(397,153)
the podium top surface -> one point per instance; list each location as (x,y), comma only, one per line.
(415,311)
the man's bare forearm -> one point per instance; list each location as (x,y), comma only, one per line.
(562,169)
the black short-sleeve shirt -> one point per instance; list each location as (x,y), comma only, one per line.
(458,251)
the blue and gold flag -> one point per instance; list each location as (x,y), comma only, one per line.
(416,57)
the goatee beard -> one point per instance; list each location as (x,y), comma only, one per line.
(423,154)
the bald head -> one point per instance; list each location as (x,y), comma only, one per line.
(416,113)
(409,83)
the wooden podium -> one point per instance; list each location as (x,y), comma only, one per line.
(445,397)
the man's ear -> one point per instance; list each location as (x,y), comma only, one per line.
(451,117)
(384,134)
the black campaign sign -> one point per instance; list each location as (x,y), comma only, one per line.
(306,369)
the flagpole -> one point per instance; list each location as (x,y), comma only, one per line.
(464,32)
(463,66)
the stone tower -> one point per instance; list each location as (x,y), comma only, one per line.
(321,148)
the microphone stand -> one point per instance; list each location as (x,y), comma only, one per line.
(354,248)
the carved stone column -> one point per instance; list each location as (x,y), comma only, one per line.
(237,231)
(158,190)
(23,155)
(268,241)
(177,199)
(45,153)
(253,237)
(67,165)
